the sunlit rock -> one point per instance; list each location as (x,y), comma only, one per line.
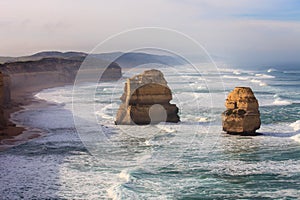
(242,115)
(146,100)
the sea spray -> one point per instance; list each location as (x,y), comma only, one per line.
(296,125)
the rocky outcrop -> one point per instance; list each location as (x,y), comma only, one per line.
(242,115)
(146,100)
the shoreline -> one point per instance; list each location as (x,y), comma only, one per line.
(16,133)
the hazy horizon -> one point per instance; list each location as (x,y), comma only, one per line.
(243,33)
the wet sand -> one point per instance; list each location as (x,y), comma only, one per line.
(15,133)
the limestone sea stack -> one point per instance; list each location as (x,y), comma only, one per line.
(242,115)
(146,100)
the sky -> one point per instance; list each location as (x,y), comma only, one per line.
(241,32)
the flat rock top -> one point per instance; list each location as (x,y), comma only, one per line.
(241,93)
(149,76)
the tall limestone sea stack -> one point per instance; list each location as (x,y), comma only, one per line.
(146,100)
(242,115)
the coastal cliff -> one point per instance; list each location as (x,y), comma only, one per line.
(20,80)
(4,98)
(49,72)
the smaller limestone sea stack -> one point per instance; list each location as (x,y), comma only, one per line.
(242,115)
(146,100)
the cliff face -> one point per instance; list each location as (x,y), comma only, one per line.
(3,100)
(20,79)
(4,90)
(146,100)
(35,75)
(49,72)
(242,115)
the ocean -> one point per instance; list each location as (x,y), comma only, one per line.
(194,159)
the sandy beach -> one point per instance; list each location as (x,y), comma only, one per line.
(16,133)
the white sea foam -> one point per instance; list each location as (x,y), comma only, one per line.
(148,143)
(228,76)
(105,111)
(276,129)
(271,70)
(296,125)
(250,168)
(242,78)
(202,119)
(296,138)
(259,82)
(124,175)
(102,115)
(236,72)
(167,129)
(264,76)
(280,102)
(113,192)
(255,81)
(201,87)
(48,95)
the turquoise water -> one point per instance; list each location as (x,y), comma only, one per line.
(189,160)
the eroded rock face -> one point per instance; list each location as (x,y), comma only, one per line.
(3,121)
(52,72)
(146,100)
(242,115)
